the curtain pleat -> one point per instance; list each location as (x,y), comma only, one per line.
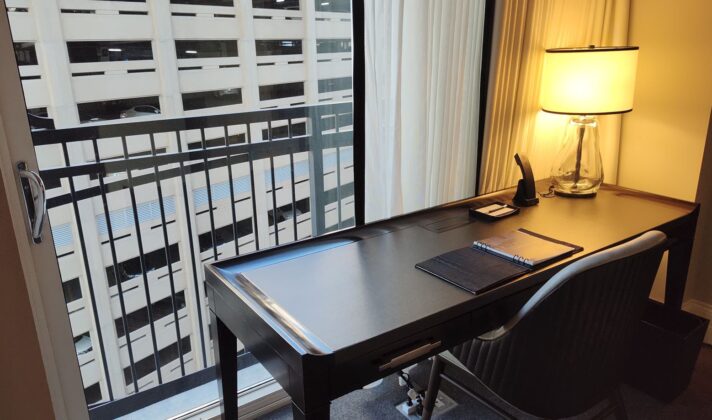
(515,123)
(423,61)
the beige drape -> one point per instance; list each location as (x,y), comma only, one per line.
(514,121)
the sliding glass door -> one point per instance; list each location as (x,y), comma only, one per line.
(170,134)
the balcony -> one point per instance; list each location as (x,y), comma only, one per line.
(131,197)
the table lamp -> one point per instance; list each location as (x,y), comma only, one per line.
(584,83)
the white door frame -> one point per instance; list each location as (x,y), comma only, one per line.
(39,265)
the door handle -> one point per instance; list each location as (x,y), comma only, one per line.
(35,200)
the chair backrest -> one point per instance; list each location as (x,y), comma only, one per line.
(563,352)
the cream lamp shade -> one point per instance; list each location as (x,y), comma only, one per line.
(589,81)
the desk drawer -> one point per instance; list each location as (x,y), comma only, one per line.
(391,357)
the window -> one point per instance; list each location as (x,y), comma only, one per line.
(325,46)
(331,123)
(206,49)
(72,290)
(278,47)
(331,85)
(276,4)
(38,112)
(25,53)
(224,234)
(342,6)
(234,139)
(286,212)
(281,91)
(102,82)
(82,343)
(131,268)
(139,318)
(120,108)
(93,393)
(98,51)
(227,3)
(211,99)
(282,132)
(166,355)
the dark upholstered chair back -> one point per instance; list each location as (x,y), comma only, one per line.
(563,352)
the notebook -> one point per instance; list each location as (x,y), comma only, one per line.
(493,261)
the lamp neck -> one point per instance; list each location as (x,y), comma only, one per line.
(583,119)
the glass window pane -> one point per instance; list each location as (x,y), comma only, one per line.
(160,84)
(276,4)
(224,97)
(228,3)
(25,53)
(278,46)
(99,51)
(325,46)
(206,49)
(284,90)
(341,6)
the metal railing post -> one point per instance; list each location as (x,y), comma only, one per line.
(317,199)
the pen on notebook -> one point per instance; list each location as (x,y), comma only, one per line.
(498,209)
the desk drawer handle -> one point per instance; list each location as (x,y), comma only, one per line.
(411,355)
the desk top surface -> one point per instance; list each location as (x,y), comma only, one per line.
(362,283)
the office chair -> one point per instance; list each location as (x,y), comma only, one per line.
(562,353)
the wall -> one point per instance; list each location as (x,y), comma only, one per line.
(23,389)
(663,139)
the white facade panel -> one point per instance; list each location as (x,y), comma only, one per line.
(335,68)
(333,29)
(277,28)
(90,371)
(22,26)
(281,73)
(209,79)
(97,27)
(168,78)
(36,94)
(103,7)
(204,27)
(115,86)
(80,321)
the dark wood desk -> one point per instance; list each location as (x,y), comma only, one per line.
(329,315)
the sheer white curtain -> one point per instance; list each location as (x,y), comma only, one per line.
(515,122)
(423,62)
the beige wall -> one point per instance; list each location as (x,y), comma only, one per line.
(663,138)
(24,393)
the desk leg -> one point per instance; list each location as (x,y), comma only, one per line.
(677,268)
(225,350)
(321,413)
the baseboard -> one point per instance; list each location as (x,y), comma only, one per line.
(702,309)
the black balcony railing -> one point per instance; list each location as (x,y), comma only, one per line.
(102,169)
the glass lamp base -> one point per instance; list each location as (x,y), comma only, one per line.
(575,195)
(578,169)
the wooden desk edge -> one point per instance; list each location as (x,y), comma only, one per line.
(277,318)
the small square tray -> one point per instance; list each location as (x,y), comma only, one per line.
(494,211)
